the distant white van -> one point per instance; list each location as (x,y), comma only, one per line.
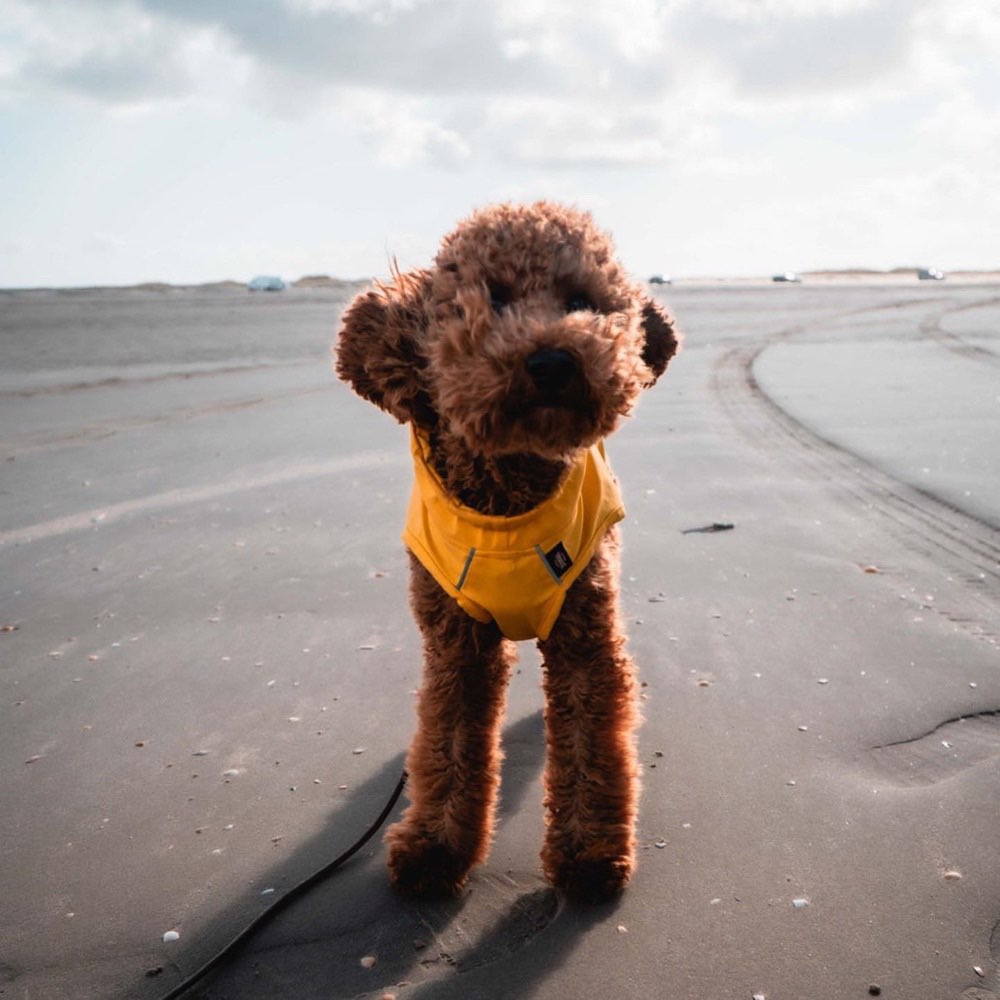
(266,283)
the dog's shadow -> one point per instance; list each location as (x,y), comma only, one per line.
(352,936)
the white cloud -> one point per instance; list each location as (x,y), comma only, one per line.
(118,56)
(805,132)
(961,124)
(630,30)
(626,82)
(907,219)
(798,50)
(403,129)
(374,8)
(556,132)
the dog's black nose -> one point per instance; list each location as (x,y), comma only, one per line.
(551,369)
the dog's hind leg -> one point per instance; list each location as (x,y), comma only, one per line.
(454,759)
(591,774)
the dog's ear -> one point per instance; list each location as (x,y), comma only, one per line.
(381,348)
(661,339)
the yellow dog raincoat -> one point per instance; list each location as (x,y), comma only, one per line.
(511,570)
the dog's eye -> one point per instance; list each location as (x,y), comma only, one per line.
(579,302)
(500,298)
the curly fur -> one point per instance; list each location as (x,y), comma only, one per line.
(448,349)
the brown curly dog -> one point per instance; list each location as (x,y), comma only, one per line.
(512,358)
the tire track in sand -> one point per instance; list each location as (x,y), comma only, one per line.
(967,545)
(932,329)
(245,481)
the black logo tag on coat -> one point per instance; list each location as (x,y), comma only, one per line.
(558,560)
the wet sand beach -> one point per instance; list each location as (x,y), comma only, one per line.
(207,662)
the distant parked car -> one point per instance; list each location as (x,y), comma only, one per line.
(930,274)
(659,279)
(787,276)
(266,283)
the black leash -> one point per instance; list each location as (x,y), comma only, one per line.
(282,901)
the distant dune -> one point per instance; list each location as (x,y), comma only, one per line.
(848,275)
(896,274)
(325,281)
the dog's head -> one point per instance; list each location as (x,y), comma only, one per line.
(525,336)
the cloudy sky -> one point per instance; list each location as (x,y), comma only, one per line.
(196,140)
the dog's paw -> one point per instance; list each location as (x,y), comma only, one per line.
(419,866)
(590,879)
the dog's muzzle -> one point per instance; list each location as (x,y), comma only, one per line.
(551,370)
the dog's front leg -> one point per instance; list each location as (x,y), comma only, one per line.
(591,774)
(454,759)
